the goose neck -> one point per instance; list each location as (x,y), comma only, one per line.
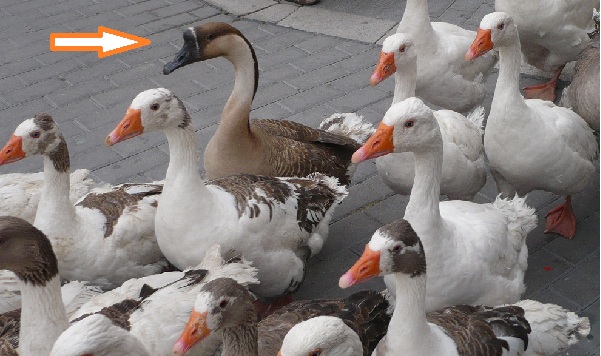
(425,194)
(54,200)
(507,89)
(43,316)
(416,19)
(241,340)
(183,153)
(405,79)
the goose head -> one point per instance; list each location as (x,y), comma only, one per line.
(97,335)
(497,29)
(26,251)
(206,41)
(151,110)
(221,303)
(408,126)
(321,336)
(36,136)
(397,50)
(393,248)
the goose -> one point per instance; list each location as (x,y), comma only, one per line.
(532,144)
(478,252)
(224,306)
(526,328)
(150,318)
(108,236)
(551,38)
(463,168)
(443,77)
(262,147)
(20,192)
(582,95)
(275,222)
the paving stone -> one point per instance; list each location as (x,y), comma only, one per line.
(314,116)
(93,159)
(353,81)
(582,283)
(317,44)
(280,73)
(17,67)
(360,61)
(136,73)
(364,171)
(175,21)
(242,8)
(205,12)
(315,78)
(37,90)
(54,8)
(311,97)
(12,116)
(271,111)
(186,6)
(50,71)
(272,93)
(122,94)
(131,166)
(585,243)
(318,60)
(138,144)
(79,91)
(217,96)
(359,196)
(102,6)
(354,229)
(101,68)
(389,209)
(9,84)
(287,55)
(357,99)
(282,41)
(537,277)
(74,110)
(273,13)
(143,6)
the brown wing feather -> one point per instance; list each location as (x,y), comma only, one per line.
(10,324)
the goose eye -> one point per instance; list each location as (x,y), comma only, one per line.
(315,352)
(154,107)
(210,37)
(397,248)
(223,304)
(501,26)
(35,134)
(402,48)
(409,123)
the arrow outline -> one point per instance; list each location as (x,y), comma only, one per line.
(140,41)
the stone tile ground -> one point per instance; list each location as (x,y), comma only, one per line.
(304,77)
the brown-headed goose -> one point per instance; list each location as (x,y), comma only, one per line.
(463,168)
(551,38)
(532,144)
(275,148)
(108,236)
(224,306)
(275,222)
(396,250)
(478,252)
(148,314)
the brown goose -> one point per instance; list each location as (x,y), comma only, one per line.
(275,148)
(222,305)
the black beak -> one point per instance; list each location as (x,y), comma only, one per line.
(188,54)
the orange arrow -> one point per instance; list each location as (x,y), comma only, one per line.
(106,42)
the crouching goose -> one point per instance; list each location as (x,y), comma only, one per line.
(275,222)
(223,306)
(478,252)
(463,168)
(532,144)
(396,250)
(108,236)
(275,148)
(551,38)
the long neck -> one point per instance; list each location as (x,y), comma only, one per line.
(43,317)
(234,118)
(507,89)
(416,19)
(405,79)
(183,153)
(55,204)
(408,324)
(425,194)
(241,340)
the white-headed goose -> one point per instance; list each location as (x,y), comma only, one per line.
(223,306)
(275,148)
(478,252)
(532,144)
(275,222)
(108,236)
(396,250)
(551,38)
(463,168)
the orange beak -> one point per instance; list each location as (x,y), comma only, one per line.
(379,144)
(12,151)
(366,267)
(384,69)
(482,44)
(130,126)
(196,330)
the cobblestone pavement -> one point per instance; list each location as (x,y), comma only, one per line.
(304,77)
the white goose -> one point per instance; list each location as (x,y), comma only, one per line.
(443,77)
(550,38)
(275,222)
(478,252)
(532,144)
(527,328)
(108,236)
(463,168)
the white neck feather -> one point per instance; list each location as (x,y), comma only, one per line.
(425,195)
(182,172)
(43,317)
(507,89)
(416,20)
(55,204)
(405,79)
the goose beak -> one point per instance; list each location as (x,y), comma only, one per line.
(366,267)
(482,44)
(384,69)
(279,353)
(379,144)
(130,126)
(196,330)
(187,54)
(12,151)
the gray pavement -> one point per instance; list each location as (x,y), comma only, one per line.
(306,76)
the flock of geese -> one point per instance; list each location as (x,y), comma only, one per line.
(207,267)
